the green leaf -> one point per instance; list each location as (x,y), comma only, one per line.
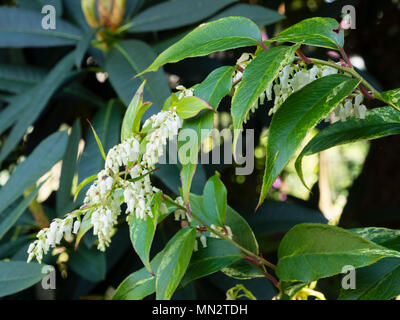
(69,166)
(243,270)
(28,106)
(85,226)
(128,126)
(14,215)
(258,75)
(98,141)
(174,262)
(299,113)
(381,281)
(315,32)
(310,251)
(388,238)
(20,28)
(241,230)
(19,78)
(174,14)
(107,122)
(37,5)
(88,263)
(46,154)
(125,59)
(140,283)
(223,34)
(216,86)
(217,255)
(189,107)
(262,16)
(17,275)
(84,183)
(215,200)
(142,232)
(392,97)
(82,46)
(378,123)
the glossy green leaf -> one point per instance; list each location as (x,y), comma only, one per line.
(381,281)
(125,59)
(258,75)
(98,141)
(20,28)
(140,283)
(174,262)
(262,16)
(82,46)
(189,107)
(315,32)
(18,275)
(215,200)
(243,270)
(88,263)
(64,194)
(107,122)
(129,124)
(223,34)
(217,255)
(392,97)
(241,230)
(46,154)
(85,226)
(173,14)
(27,107)
(142,232)
(84,183)
(310,251)
(216,86)
(388,238)
(378,123)
(298,114)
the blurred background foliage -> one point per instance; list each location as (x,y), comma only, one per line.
(41,92)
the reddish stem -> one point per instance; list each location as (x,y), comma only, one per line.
(263,46)
(365,92)
(272,279)
(303,57)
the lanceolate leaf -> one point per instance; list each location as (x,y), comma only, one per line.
(11,218)
(142,232)
(380,281)
(19,78)
(23,28)
(392,97)
(174,14)
(388,238)
(189,107)
(314,31)
(257,76)
(215,200)
(85,226)
(378,123)
(29,105)
(218,255)
(125,59)
(46,154)
(140,283)
(64,193)
(262,16)
(127,128)
(299,113)
(18,275)
(312,251)
(173,265)
(216,86)
(223,34)
(88,263)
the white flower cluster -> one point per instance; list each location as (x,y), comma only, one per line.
(102,203)
(164,125)
(49,237)
(183,92)
(292,78)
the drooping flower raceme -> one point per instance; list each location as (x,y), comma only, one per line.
(294,77)
(102,203)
